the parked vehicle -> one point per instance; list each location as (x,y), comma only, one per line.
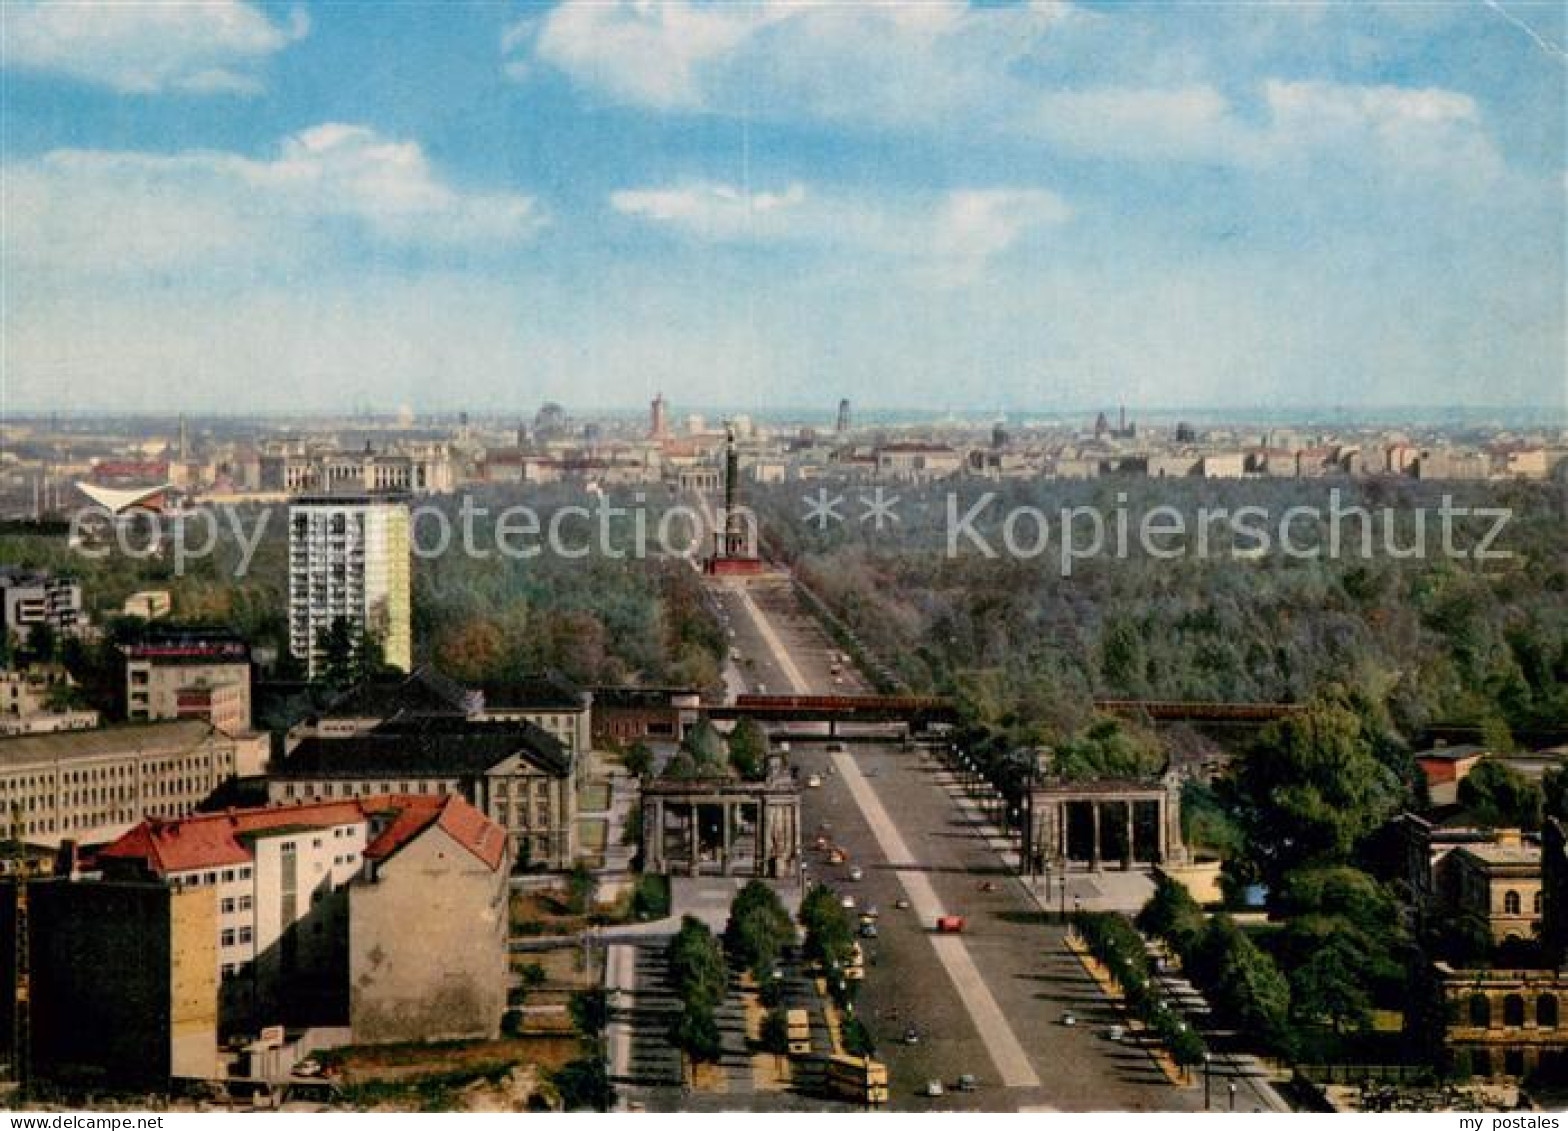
(967,1082)
(950,924)
(857,873)
(934,1089)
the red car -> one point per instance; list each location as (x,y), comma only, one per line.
(950,924)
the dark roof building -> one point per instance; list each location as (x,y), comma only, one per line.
(516,773)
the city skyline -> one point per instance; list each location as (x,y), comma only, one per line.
(266,208)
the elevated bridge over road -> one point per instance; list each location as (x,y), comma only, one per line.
(922,711)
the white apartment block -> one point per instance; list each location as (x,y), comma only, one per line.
(349,557)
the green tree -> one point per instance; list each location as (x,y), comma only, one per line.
(829,936)
(758,929)
(580,887)
(584,1083)
(1308,791)
(749,750)
(43,643)
(338,645)
(696,1033)
(638,759)
(696,964)
(590,1010)
(1242,982)
(1327,987)
(707,749)
(1109,748)
(1173,915)
(857,1038)
(1498,796)
(775,1032)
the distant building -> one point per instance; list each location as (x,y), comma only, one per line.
(916,461)
(29,599)
(25,703)
(349,558)
(658,419)
(409,468)
(190,674)
(1497,1022)
(841,426)
(548,700)
(641,714)
(1496,885)
(91,785)
(149,604)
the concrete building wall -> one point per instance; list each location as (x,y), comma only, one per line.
(152,690)
(427,934)
(193,984)
(93,785)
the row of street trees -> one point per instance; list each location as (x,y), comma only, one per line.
(696,963)
(1119,948)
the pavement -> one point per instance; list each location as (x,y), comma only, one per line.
(988,1002)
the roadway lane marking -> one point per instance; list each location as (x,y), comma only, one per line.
(1012,1063)
(771,639)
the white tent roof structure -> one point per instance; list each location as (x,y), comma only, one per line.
(118,500)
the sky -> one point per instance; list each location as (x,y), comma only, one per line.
(1018,207)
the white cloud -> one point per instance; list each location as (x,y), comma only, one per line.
(1413,131)
(1017,72)
(138,46)
(953,234)
(114,213)
(718,212)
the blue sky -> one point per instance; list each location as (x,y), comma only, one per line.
(1000,206)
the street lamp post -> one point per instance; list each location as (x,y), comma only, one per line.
(1231,1087)
(1207,1059)
(1061,890)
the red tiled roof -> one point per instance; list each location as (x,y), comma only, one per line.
(206,840)
(211,840)
(412,815)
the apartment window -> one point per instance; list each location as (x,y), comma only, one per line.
(228,971)
(245,875)
(228,875)
(227,937)
(245,903)
(286,848)
(1511,903)
(226,907)
(245,935)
